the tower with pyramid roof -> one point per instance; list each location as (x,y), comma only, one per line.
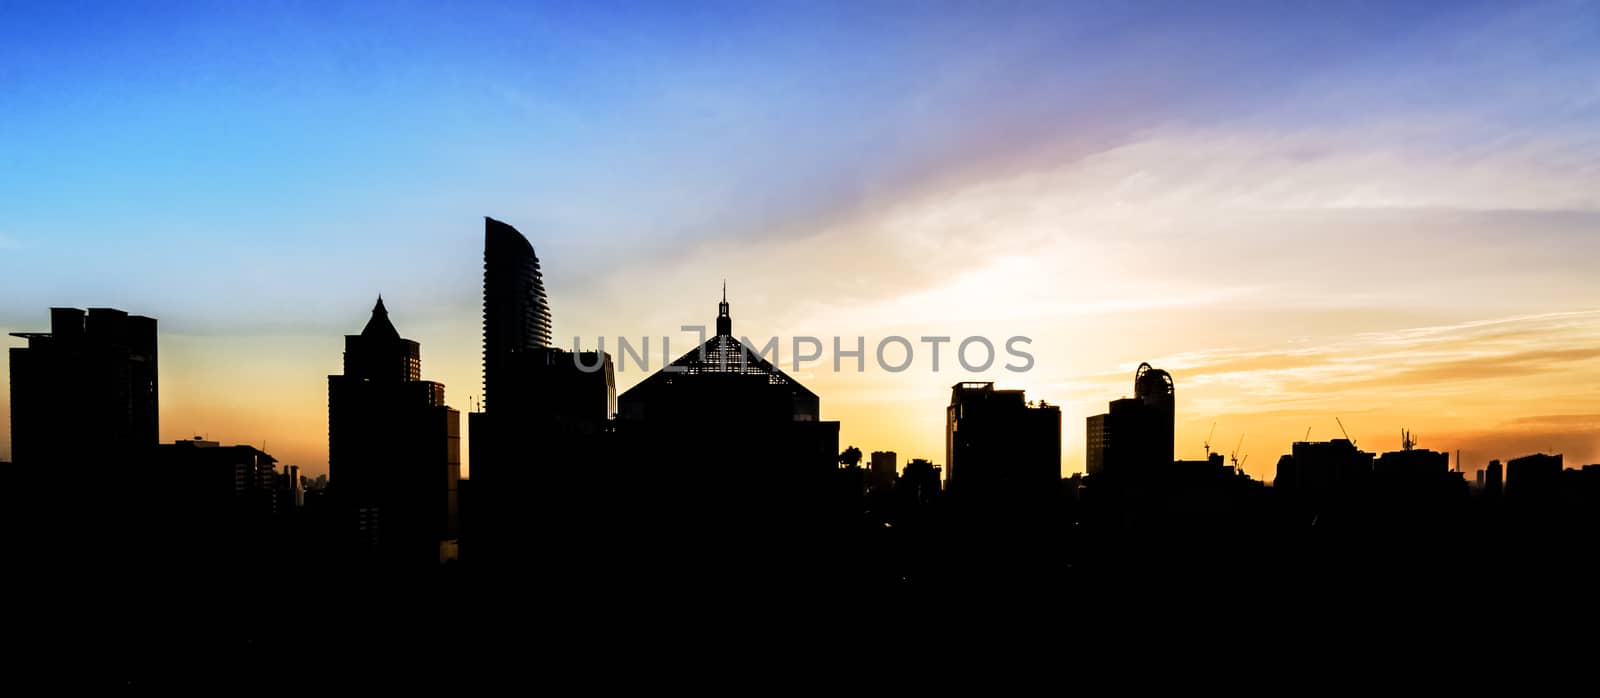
(722,424)
(394,454)
(722,375)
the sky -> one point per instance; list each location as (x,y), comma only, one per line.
(1384,213)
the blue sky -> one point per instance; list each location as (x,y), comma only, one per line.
(273,126)
(254,173)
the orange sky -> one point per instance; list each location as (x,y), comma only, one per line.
(1275,309)
(1387,218)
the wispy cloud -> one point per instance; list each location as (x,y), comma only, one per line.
(1464,351)
(1488,386)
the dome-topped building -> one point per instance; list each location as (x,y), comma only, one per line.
(1136,434)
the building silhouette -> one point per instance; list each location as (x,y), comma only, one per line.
(723,422)
(545,412)
(393,449)
(516,311)
(999,444)
(84,417)
(1135,436)
(219,480)
(291,488)
(920,483)
(222,502)
(1132,480)
(1415,482)
(882,473)
(1322,466)
(1494,480)
(1324,479)
(85,395)
(1533,477)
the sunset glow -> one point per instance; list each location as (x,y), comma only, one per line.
(1302,216)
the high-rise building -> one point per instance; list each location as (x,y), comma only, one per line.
(1324,475)
(996,442)
(214,506)
(1136,434)
(1535,476)
(1415,480)
(516,311)
(1096,442)
(1494,479)
(393,448)
(723,419)
(291,488)
(883,470)
(215,480)
(84,396)
(545,410)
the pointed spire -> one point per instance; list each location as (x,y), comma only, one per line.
(379,325)
(724,321)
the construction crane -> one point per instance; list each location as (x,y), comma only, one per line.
(1235,455)
(1208,440)
(1342,431)
(1308,435)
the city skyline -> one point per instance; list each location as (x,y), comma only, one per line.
(1478,450)
(1382,219)
(473,345)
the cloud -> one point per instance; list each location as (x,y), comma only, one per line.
(1411,357)
(1492,367)
(1557,420)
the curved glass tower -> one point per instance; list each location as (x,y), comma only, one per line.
(516,312)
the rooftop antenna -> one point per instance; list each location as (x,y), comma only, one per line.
(1407,440)
(1208,440)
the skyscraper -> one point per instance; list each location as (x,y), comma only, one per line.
(393,449)
(516,312)
(85,394)
(549,412)
(1135,435)
(84,410)
(1322,478)
(883,471)
(996,443)
(1533,477)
